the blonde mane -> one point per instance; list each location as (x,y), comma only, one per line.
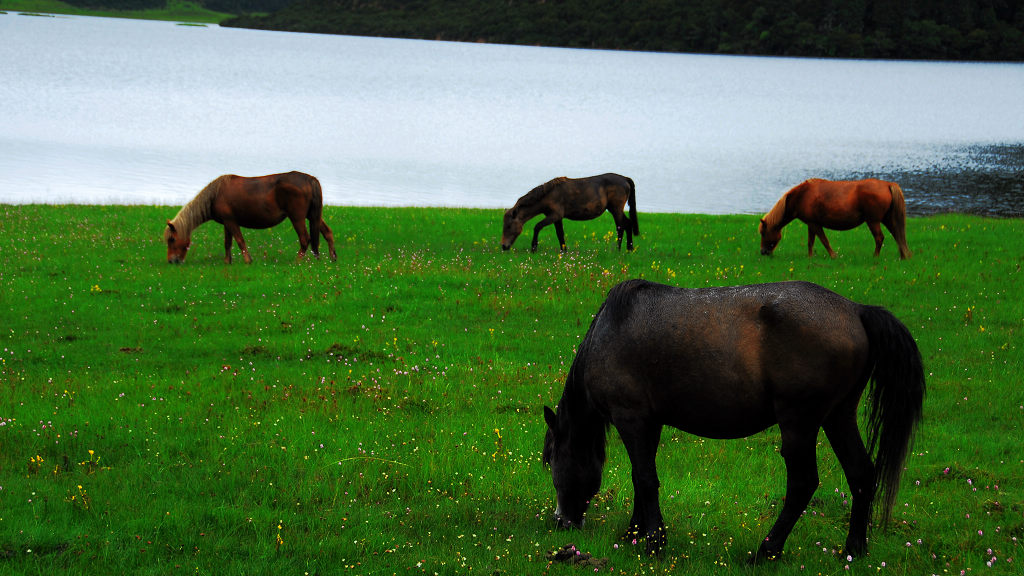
(198,209)
(776,217)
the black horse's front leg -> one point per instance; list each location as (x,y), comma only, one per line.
(646,525)
(540,226)
(561,235)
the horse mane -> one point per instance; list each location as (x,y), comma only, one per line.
(538,193)
(773,219)
(198,209)
(776,217)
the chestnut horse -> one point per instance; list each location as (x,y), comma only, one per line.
(575,199)
(838,205)
(257,202)
(729,362)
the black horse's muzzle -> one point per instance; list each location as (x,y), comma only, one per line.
(563,523)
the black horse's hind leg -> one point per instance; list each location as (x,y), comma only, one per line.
(798,449)
(646,524)
(844,437)
(623,224)
(560,231)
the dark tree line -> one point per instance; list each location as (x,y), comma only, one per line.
(918,29)
(225,6)
(914,29)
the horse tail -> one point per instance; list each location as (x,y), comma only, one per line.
(897,397)
(315,215)
(632,207)
(898,219)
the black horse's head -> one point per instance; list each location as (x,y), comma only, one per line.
(511,228)
(576,473)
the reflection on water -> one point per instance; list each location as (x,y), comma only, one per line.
(983,180)
(119,111)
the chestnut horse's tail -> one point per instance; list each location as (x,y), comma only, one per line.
(632,206)
(898,220)
(897,399)
(315,215)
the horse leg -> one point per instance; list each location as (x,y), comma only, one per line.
(844,436)
(536,232)
(623,224)
(561,235)
(646,524)
(314,235)
(798,449)
(300,228)
(876,231)
(899,234)
(227,245)
(329,236)
(819,232)
(232,229)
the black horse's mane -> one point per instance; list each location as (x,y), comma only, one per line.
(622,297)
(539,192)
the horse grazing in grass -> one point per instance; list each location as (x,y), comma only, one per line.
(838,205)
(728,363)
(258,202)
(575,199)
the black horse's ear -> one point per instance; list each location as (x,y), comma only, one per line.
(550,418)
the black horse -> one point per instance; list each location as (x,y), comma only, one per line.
(727,363)
(575,199)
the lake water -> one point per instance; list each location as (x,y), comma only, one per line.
(98,110)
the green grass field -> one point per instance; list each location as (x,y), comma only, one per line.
(382,414)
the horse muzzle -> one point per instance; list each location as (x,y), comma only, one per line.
(563,523)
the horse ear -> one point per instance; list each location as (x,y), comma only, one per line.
(550,418)
(171,226)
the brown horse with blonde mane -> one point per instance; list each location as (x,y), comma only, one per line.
(257,202)
(575,199)
(838,205)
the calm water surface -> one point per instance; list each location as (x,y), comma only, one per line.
(100,110)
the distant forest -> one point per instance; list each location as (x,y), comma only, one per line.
(903,29)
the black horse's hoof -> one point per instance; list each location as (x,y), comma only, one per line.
(654,541)
(763,555)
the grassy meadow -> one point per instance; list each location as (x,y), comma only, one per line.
(382,414)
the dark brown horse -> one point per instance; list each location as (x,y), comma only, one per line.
(575,199)
(259,202)
(728,363)
(838,205)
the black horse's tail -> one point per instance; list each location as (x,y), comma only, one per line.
(897,397)
(632,207)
